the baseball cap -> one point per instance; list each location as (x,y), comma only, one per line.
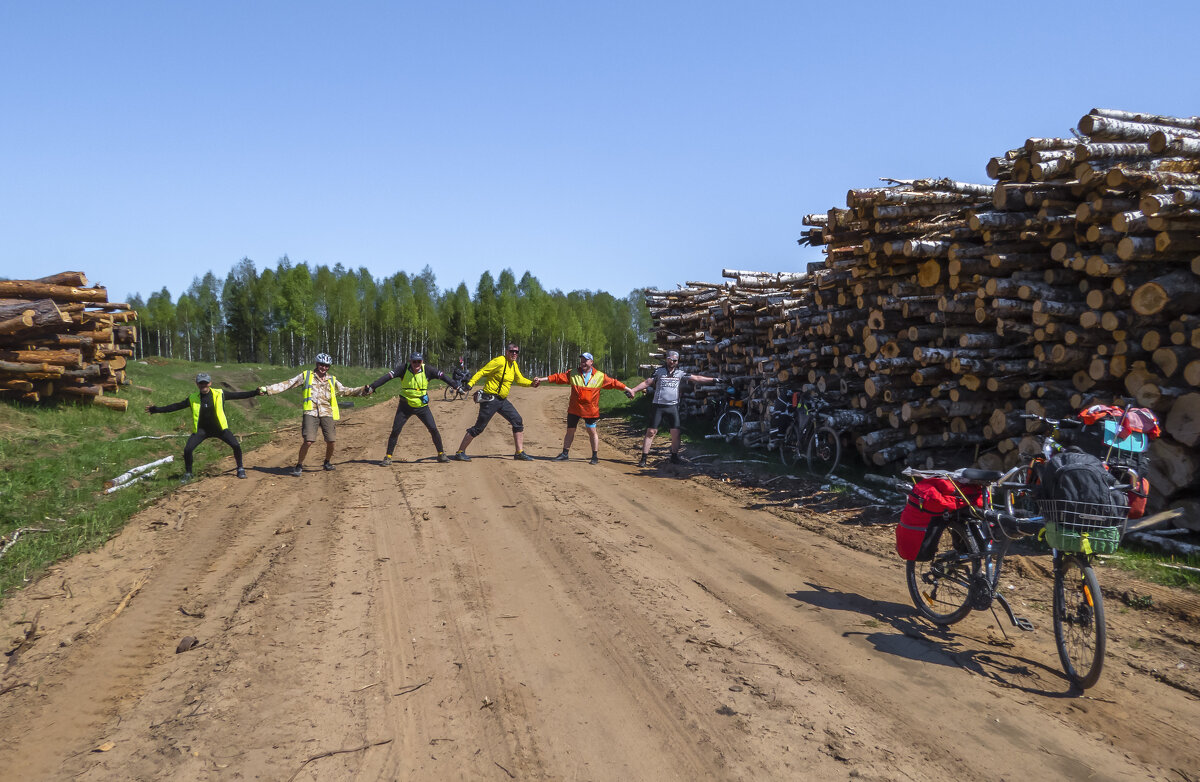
(588,356)
(203,377)
(416,357)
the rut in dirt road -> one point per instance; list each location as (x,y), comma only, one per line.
(541,620)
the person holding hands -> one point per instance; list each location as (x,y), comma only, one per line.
(665,405)
(586,382)
(499,376)
(321,413)
(414,401)
(208,419)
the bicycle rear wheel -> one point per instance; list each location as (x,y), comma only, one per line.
(448,393)
(1078,619)
(730,423)
(824,450)
(941,587)
(789,446)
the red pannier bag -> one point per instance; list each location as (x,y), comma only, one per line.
(929,499)
(1137,498)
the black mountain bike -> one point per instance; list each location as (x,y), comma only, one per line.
(807,433)
(963,553)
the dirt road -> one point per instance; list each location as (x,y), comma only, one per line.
(504,620)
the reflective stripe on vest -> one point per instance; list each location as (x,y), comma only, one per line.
(596,381)
(218,408)
(413,387)
(308,401)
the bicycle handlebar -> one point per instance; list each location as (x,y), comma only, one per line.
(1059,423)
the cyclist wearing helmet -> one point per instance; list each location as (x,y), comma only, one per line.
(208,419)
(414,401)
(321,391)
(665,381)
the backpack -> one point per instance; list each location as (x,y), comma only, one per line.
(1076,490)
(931,503)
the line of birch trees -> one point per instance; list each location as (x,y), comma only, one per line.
(288,314)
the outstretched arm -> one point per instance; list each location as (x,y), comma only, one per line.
(702,379)
(167,408)
(647,383)
(284,385)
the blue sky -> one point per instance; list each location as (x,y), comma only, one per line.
(599,145)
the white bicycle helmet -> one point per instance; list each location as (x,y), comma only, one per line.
(324,358)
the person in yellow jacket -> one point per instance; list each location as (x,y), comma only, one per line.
(208,420)
(321,391)
(499,375)
(414,401)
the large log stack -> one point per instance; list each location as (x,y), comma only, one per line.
(943,310)
(62,339)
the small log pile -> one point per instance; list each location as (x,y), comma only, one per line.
(62,339)
(943,310)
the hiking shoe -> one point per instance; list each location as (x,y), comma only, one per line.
(186,477)
(297,471)
(443,457)
(642,461)
(328,466)
(387,462)
(562,457)
(462,457)
(594,460)
(241,472)
(521,456)
(676,459)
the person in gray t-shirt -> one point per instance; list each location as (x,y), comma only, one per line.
(665,403)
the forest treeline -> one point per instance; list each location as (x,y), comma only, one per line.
(288,314)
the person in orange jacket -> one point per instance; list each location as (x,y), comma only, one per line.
(586,383)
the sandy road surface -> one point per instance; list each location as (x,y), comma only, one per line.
(501,620)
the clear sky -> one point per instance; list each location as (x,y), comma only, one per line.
(604,145)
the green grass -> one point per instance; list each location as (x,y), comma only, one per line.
(1150,566)
(55,458)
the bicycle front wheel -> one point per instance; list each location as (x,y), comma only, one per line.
(824,450)
(730,423)
(789,447)
(1078,619)
(448,394)
(941,587)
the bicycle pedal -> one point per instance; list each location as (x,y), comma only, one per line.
(1021,623)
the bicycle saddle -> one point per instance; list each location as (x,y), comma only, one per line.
(979,476)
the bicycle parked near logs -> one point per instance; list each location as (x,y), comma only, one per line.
(972,517)
(806,432)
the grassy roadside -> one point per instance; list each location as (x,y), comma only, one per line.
(54,459)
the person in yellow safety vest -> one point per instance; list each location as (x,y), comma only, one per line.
(500,374)
(414,401)
(321,391)
(208,419)
(586,383)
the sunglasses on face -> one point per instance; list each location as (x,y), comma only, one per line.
(514,351)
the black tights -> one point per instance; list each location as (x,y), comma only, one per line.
(403,413)
(200,436)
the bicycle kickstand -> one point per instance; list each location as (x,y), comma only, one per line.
(1019,622)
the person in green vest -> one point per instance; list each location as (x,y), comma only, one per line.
(208,419)
(321,414)
(414,401)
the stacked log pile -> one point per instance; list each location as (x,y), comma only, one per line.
(62,339)
(943,310)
